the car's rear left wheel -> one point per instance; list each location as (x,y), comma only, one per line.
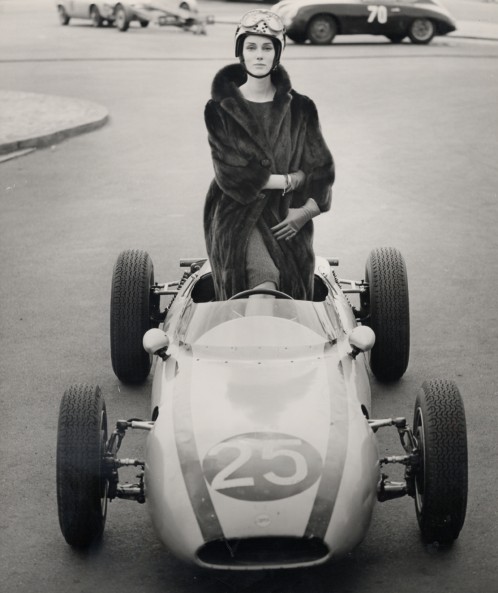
(421,31)
(82,483)
(134,310)
(322,29)
(441,480)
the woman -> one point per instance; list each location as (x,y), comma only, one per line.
(273,170)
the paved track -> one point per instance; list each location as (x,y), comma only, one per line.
(414,133)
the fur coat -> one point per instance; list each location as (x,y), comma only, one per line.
(244,155)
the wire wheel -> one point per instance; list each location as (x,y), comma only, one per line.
(322,29)
(422,31)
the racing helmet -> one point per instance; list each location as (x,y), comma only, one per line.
(261,22)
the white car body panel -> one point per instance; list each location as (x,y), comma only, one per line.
(260,432)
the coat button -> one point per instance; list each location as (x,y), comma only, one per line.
(265,162)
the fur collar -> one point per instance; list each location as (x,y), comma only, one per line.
(225,91)
(227,81)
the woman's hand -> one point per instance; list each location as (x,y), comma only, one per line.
(295,220)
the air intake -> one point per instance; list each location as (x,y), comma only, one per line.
(263,551)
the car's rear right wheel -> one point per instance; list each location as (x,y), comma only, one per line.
(82,483)
(441,479)
(322,29)
(63,16)
(134,310)
(386,309)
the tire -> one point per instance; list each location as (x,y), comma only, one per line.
(81,482)
(121,18)
(63,16)
(144,24)
(421,31)
(132,309)
(386,305)
(322,29)
(97,20)
(441,482)
(396,38)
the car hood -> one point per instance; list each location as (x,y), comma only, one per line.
(265,401)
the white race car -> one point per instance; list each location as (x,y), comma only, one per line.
(261,447)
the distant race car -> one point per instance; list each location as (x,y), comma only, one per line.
(261,447)
(319,21)
(180,13)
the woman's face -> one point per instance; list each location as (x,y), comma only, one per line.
(258,53)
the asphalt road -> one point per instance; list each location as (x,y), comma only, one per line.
(414,131)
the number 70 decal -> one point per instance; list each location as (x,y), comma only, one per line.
(378,13)
(262,466)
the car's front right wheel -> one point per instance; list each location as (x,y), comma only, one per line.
(421,31)
(441,480)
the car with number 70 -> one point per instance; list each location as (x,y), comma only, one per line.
(319,21)
(261,448)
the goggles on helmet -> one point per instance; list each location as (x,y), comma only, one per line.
(261,22)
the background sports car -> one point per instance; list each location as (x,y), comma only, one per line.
(321,20)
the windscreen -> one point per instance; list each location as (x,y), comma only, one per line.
(200,318)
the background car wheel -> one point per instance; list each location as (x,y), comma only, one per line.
(144,24)
(81,481)
(441,481)
(421,31)
(395,38)
(387,306)
(121,18)
(97,20)
(63,16)
(133,308)
(322,29)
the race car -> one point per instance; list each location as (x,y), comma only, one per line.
(179,13)
(261,447)
(319,21)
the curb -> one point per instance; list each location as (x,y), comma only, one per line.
(31,120)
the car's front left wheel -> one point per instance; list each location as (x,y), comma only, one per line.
(82,483)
